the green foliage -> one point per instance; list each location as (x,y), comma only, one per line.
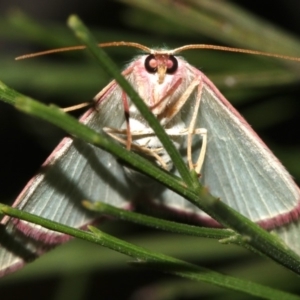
(250,76)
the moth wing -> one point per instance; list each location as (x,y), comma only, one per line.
(74,171)
(239,169)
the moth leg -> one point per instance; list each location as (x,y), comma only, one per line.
(174,108)
(198,131)
(126,115)
(75,107)
(191,131)
(199,163)
(153,152)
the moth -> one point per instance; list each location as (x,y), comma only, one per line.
(213,138)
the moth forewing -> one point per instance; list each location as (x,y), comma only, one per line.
(239,167)
(74,171)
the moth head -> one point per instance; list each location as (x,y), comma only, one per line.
(161,64)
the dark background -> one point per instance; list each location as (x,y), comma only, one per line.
(26,142)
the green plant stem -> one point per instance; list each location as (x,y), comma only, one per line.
(157,223)
(154,260)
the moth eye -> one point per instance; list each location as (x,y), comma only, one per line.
(150,64)
(172,64)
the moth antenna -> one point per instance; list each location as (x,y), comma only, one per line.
(74,48)
(238,50)
(126,44)
(46,52)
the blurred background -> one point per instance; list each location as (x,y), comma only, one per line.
(264,90)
